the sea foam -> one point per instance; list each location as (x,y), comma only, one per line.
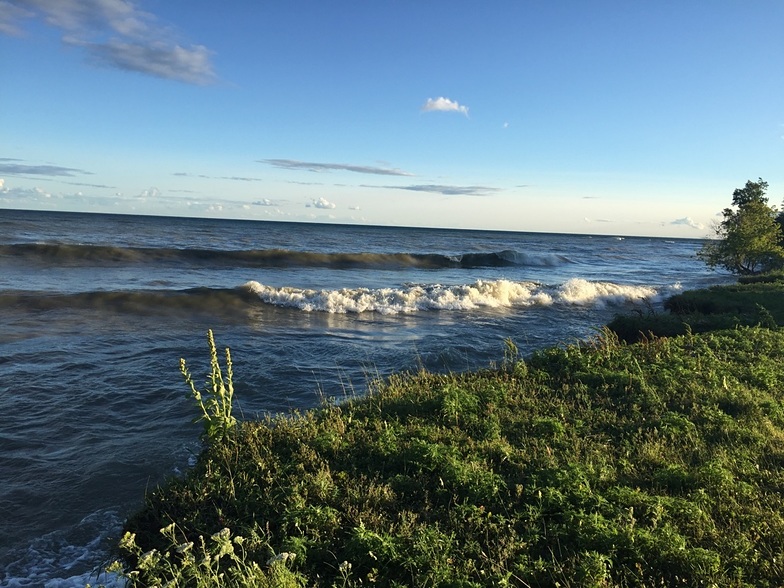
(422,297)
(583,292)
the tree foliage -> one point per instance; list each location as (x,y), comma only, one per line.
(751,192)
(749,238)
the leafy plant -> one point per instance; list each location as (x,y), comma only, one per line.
(215,402)
(221,560)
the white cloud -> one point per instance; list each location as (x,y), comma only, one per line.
(116,34)
(324,203)
(442,104)
(350,207)
(151,192)
(27,195)
(2,184)
(264,202)
(689,222)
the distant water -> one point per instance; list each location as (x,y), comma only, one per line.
(96,310)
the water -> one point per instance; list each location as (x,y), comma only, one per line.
(96,310)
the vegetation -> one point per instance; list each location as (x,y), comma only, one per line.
(602,464)
(754,300)
(749,238)
(215,403)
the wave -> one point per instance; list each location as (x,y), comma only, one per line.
(69,254)
(167,302)
(409,298)
(481,294)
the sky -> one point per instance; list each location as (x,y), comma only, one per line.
(601,117)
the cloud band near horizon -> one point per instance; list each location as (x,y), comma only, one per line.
(322,167)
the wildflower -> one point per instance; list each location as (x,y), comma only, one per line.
(284,556)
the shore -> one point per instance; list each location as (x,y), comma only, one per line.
(600,464)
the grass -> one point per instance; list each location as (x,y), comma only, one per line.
(757,300)
(601,464)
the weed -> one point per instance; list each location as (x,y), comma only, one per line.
(215,403)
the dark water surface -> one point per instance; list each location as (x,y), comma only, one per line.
(96,310)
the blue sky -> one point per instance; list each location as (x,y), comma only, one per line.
(628,118)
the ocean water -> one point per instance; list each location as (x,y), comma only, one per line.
(97,310)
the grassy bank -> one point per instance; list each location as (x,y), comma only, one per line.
(752,301)
(605,464)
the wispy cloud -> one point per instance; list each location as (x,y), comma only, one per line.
(206,177)
(8,167)
(322,167)
(446,190)
(10,15)
(442,104)
(156,58)
(91,185)
(115,34)
(689,222)
(264,202)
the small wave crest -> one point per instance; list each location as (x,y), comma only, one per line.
(79,255)
(481,294)
(534,260)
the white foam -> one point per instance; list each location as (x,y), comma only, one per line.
(481,294)
(62,560)
(583,292)
(406,299)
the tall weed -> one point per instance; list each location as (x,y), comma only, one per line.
(215,402)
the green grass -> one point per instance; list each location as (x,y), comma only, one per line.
(757,300)
(601,464)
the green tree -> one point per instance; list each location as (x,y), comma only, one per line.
(751,192)
(749,238)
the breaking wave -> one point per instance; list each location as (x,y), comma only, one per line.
(481,294)
(408,298)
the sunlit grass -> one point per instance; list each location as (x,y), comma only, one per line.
(758,300)
(600,464)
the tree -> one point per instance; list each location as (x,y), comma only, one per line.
(751,192)
(749,238)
